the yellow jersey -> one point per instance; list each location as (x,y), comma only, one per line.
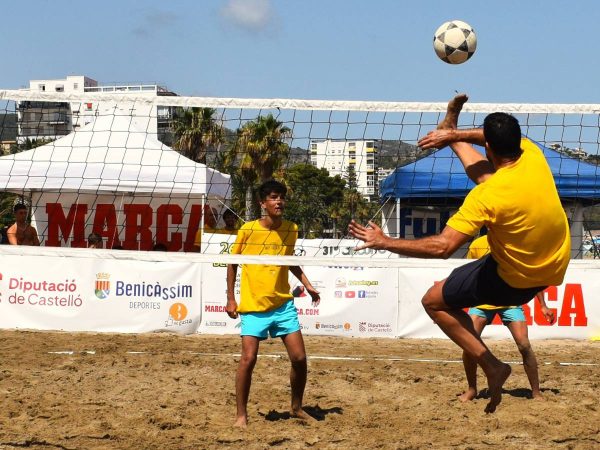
(264,287)
(528,232)
(478,249)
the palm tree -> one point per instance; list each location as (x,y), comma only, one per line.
(196,131)
(262,150)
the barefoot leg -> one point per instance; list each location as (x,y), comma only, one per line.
(454,107)
(458,326)
(470,364)
(243,378)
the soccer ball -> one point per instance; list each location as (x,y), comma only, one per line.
(454,42)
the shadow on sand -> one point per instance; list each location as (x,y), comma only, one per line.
(316,412)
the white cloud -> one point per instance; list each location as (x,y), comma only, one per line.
(252,15)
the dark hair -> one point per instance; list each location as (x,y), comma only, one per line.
(271,187)
(159,247)
(94,238)
(503,134)
(19,207)
(229,212)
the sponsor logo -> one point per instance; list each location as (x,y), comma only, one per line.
(177,315)
(215,323)
(340,282)
(350,294)
(362,294)
(372,327)
(328,326)
(363,283)
(44,293)
(102,289)
(347,327)
(338,294)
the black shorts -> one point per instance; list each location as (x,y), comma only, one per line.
(478,283)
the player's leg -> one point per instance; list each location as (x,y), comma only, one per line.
(294,344)
(518,328)
(243,378)
(455,105)
(287,326)
(458,326)
(469,363)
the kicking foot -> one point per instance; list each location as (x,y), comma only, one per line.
(454,107)
(495,383)
(301,414)
(241,422)
(468,395)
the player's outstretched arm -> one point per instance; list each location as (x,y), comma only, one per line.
(301,276)
(231,307)
(441,246)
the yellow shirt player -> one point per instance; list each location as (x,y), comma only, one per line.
(517,201)
(266,304)
(513,318)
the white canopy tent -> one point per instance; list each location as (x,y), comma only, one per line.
(110,155)
(111,161)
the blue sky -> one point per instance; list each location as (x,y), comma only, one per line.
(528,51)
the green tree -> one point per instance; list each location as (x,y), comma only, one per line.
(197,132)
(259,152)
(314,199)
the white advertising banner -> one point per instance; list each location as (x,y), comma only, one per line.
(574,302)
(88,293)
(355,301)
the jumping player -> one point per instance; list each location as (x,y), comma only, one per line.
(516,199)
(513,318)
(266,305)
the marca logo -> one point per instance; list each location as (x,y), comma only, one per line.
(362,326)
(102,290)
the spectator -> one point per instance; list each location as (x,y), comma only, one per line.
(95,241)
(22,233)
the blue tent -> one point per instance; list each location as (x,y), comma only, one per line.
(441,176)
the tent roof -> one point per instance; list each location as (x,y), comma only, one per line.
(441,175)
(110,155)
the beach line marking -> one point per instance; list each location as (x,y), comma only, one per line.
(332,358)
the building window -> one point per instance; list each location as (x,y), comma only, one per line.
(42,87)
(60,88)
(370,144)
(75,86)
(313,146)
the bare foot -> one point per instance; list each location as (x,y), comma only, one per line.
(301,414)
(454,107)
(495,383)
(241,422)
(468,395)
(537,395)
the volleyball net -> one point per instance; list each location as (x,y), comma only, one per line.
(148,171)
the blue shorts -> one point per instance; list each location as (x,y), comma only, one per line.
(278,322)
(507,315)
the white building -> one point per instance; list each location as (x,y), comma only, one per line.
(341,157)
(50,120)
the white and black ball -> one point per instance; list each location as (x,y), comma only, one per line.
(454,42)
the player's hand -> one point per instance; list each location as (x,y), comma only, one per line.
(314,295)
(372,236)
(231,309)
(548,314)
(436,139)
